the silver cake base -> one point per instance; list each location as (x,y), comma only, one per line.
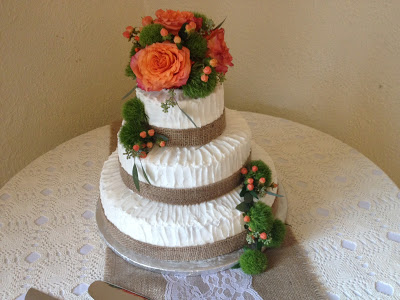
(186,268)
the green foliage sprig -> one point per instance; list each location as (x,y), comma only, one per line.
(170,102)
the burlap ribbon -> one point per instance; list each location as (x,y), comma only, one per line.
(193,136)
(174,253)
(187,196)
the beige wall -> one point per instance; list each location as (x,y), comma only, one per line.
(61,73)
(332,65)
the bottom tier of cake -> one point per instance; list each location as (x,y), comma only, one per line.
(175,232)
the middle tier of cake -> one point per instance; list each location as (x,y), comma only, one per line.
(191,167)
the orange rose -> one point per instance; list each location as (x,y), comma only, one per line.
(161,66)
(173,20)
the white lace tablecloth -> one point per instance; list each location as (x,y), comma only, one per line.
(343,209)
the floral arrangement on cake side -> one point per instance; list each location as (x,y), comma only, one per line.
(263,230)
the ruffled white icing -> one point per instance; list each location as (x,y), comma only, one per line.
(186,167)
(203,111)
(169,225)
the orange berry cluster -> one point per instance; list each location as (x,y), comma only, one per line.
(143,149)
(130,33)
(250,181)
(207,70)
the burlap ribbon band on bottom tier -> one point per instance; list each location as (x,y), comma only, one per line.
(176,253)
(193,136)
(187,196)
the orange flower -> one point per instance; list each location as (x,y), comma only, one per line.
(207,70)
(164,32)
(213,62)
(204,78)
(217,49)
(173,20)
(147,20)
(161,66)
(177,39)
(127,34)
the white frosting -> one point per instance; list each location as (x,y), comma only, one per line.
(203,111)
(187,167)
(169,225)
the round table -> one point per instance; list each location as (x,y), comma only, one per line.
(343,210)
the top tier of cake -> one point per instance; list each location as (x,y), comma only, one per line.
(203,111)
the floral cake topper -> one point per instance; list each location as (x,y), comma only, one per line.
(178,49)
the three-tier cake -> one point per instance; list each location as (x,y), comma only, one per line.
(187,182)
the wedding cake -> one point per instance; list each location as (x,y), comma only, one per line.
(187,181)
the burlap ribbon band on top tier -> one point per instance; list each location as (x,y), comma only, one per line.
(187,253)
(185,196)
(193,136)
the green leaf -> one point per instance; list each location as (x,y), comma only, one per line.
(144,173)
(237,266)
(182,32)
(254,194)
(135,177)
(243,191)
(248,198)
(220,24)
(190,119)
(179,46)
(161,137)
(127,95)
(273,194)
(244,207)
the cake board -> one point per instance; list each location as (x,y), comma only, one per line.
(185,268)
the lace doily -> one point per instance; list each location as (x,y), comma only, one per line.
(343,209)
(225,285)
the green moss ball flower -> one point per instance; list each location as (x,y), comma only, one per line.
(261,218)
(150,34)
(253,262)
(278,232)
(197,46)
(133,111)
(196,87)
